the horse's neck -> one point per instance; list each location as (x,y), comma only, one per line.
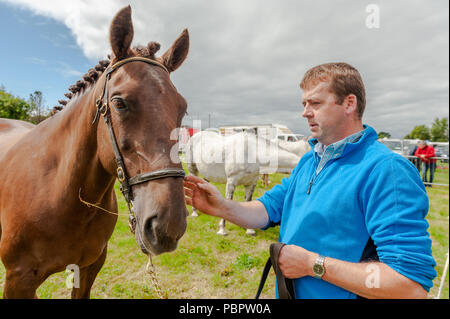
(299,148)
(276,154)
(72,130)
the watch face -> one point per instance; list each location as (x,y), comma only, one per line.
(318,269)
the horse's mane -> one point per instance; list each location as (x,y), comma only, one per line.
(95,73)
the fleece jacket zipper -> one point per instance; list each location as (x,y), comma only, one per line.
(314,177)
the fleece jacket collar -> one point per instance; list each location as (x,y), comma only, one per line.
(369,135)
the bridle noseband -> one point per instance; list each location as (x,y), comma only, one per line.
(125,182)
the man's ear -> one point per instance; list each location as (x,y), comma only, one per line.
(121,34)
(351,104)
(177,53)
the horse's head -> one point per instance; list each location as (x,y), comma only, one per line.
(145,109)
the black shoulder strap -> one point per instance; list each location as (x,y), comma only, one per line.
(285,286)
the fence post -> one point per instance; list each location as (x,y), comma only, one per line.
(444,274)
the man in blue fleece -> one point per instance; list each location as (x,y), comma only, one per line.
(352,213)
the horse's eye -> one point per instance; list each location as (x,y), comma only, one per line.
(118,103)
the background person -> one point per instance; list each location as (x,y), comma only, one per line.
(426,153)
(416,161)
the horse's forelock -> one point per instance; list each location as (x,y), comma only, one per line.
(148,51)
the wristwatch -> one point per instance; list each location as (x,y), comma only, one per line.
(319,268)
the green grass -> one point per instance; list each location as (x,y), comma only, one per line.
(439,226)
(206,265)
(441,174)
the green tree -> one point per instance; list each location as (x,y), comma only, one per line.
(13,107)
(384,135)
(421,132)
(439,130)
(38,112)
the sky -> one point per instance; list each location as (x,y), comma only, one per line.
(246,58)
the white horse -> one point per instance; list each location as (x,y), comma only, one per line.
(300,148)
(235,160)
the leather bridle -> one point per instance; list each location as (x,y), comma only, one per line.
(126,182)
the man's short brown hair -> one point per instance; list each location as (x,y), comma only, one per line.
(344,80)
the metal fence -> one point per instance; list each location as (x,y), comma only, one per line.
(441,167)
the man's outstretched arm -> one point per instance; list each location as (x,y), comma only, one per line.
(207,198)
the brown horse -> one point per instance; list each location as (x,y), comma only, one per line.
(44,226)
(11,132)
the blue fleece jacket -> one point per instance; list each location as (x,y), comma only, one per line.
(366,192)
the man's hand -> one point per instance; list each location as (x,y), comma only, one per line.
(203,196)
(296,262)
(207,198)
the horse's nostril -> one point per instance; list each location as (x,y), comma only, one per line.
(149,229)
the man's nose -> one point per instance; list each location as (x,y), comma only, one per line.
(306,112)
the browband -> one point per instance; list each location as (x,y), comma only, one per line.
(132,59)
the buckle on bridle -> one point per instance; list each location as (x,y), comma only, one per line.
(98,102)
(104,109)
(120,174)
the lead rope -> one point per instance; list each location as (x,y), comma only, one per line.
(131,216)
(151,270)
(94,205)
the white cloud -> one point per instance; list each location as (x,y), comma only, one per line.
(66,70)
(35,60)
(247,57)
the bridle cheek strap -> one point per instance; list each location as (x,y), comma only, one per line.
(125,182)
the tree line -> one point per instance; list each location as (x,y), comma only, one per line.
(437,132)
(32,110)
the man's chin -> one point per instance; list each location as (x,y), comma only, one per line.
(315,133)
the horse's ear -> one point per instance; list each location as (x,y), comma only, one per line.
(121,33)
(177,53)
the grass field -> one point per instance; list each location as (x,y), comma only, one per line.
(206,265)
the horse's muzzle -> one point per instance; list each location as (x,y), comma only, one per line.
(156,236)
